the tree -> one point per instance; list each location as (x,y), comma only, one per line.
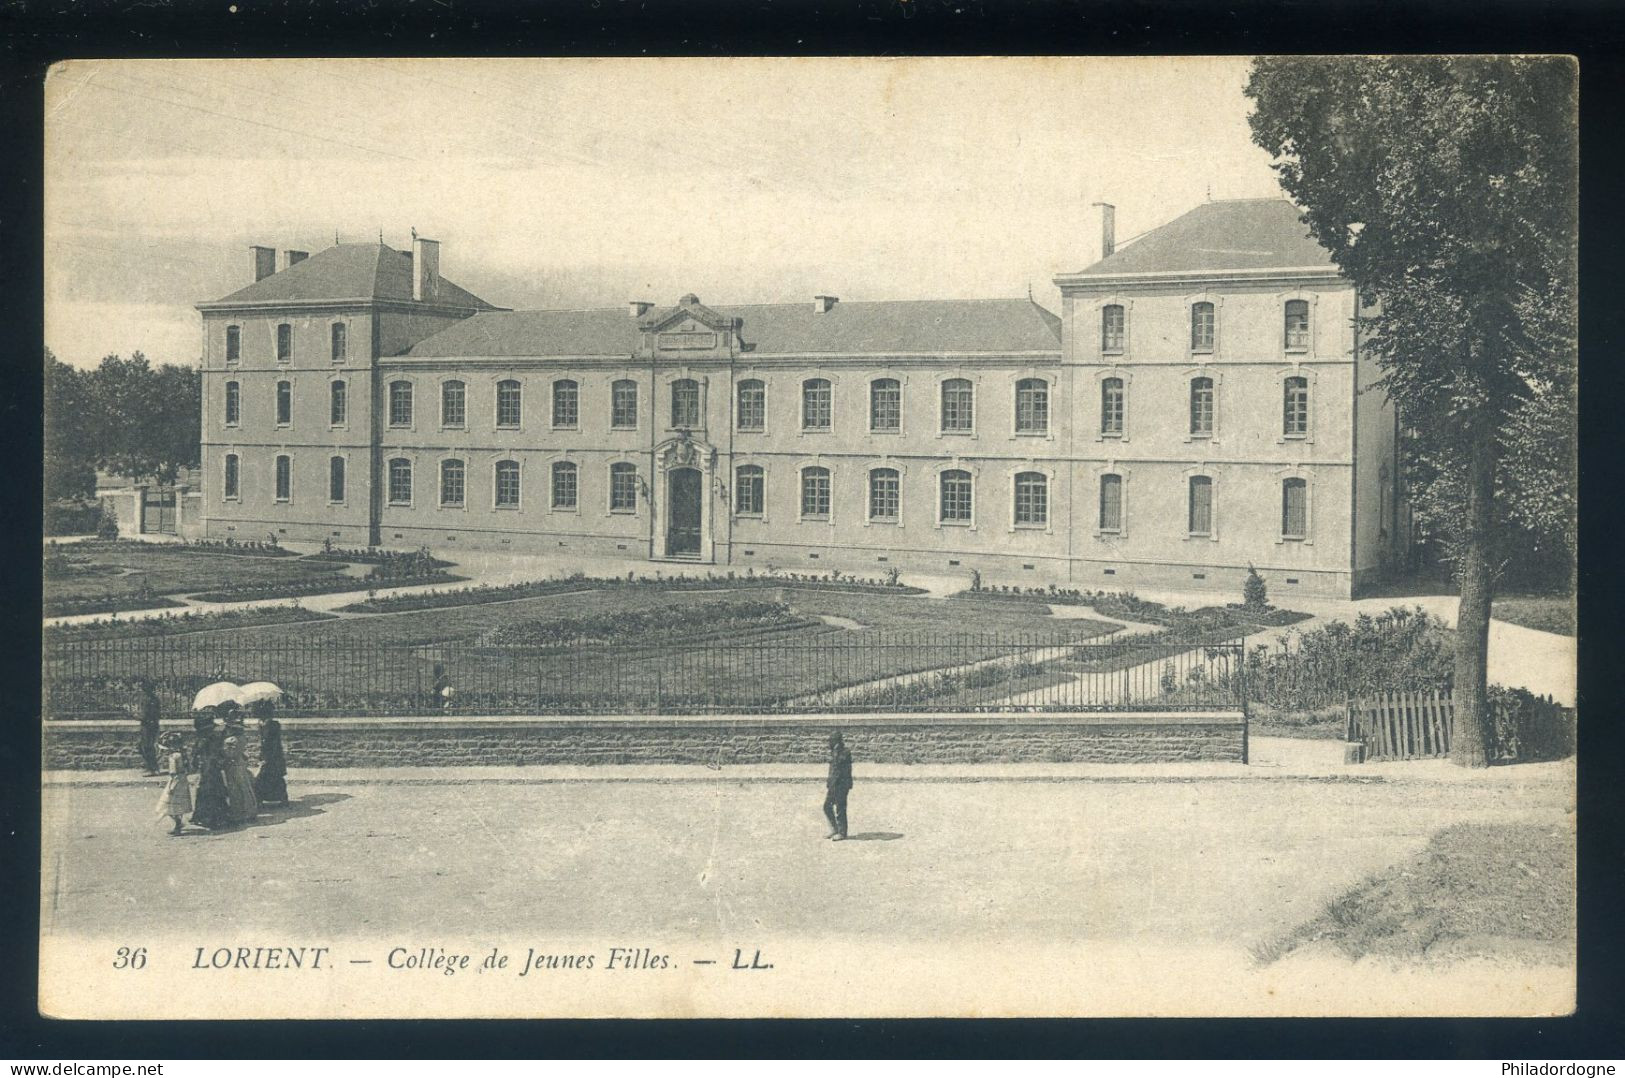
(1445,189)
(70,466)
(147,421)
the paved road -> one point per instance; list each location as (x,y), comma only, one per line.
(1216,860)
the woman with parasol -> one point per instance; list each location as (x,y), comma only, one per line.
(271,784)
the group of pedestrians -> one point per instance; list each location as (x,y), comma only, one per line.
(228,794)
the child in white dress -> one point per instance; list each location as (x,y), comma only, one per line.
(176,800)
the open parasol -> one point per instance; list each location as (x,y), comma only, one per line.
(255,691)
(221,692)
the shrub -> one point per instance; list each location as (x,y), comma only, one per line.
(108,528)
(1254,594)
(73,518)
(1399,650)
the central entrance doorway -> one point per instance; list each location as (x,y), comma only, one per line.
(684,487)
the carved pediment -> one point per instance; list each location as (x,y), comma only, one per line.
(685,451)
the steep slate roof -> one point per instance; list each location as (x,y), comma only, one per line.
(982,325)
(349,271)
(1246,234)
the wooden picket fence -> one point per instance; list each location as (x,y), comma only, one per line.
(1416,726)
(1401,725)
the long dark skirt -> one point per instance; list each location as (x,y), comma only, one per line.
(271,784)
(211,811)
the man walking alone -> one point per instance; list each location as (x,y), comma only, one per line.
(840,782)
(150,713)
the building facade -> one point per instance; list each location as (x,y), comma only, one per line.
(1200,406)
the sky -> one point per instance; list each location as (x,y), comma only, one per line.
(588,183)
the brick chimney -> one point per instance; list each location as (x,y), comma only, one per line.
(425,268)
(293,258)
(822,304)
(638,307)
(1108,228)
(264,262)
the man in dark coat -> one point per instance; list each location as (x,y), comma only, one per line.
(840,782)
(151,711)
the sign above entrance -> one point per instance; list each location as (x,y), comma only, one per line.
(687,340)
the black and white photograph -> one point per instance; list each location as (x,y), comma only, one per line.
(810,537)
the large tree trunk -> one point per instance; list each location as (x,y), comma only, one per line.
(1473,734)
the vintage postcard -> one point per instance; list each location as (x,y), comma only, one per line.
(809,537)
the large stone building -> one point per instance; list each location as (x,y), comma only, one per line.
(1201,405)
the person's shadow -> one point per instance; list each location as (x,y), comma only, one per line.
(299,808)
(875,836)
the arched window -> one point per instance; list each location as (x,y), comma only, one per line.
(1295,408)
(885,404)
(958,405)
(453,404)
(564,485)
(234,404)
(955,501)
(1202,327)
(1294,509)
(400,481)
(341,342)
(335,479)
(510,404)
(1201,407)
(284,478)
(234,344)
(338,403)
(1297,325)
(685,404)
(566,403)
(1112,325)
(1111,407)
(284,343)
(623,404)
(284,403)
(815,404)
(507,484)
(623,488)
(1201,505)
(749,488)
(1111,503)
(453,479)
(1032,406)
(815,493)
(232,476)
(1032,499)
(885,495)
(751,411)
(400,404)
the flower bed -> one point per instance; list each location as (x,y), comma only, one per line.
(175,624)
(501,593)
(630,626)
(245,592)
(410,561)
(252,548)
(106,604)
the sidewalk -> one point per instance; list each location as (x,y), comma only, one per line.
(1272,758)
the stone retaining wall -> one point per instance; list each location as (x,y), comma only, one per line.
(749,739)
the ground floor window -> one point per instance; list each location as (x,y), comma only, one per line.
(507,484)
(623,488)
(1294,509)
(284,479)
(452,479)
(748,489)
(1201,505)
(400,481)
(815,492)
(564,485)
(956,497)
(884,494)
(1032,499)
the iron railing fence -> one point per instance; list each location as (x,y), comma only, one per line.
(875,672)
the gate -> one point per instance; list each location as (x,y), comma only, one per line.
(158,511)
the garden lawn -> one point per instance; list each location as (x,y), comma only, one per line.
(388,662)
(129,574)
(1548,613)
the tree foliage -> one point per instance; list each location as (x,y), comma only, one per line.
(125,415)
(1445,189)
